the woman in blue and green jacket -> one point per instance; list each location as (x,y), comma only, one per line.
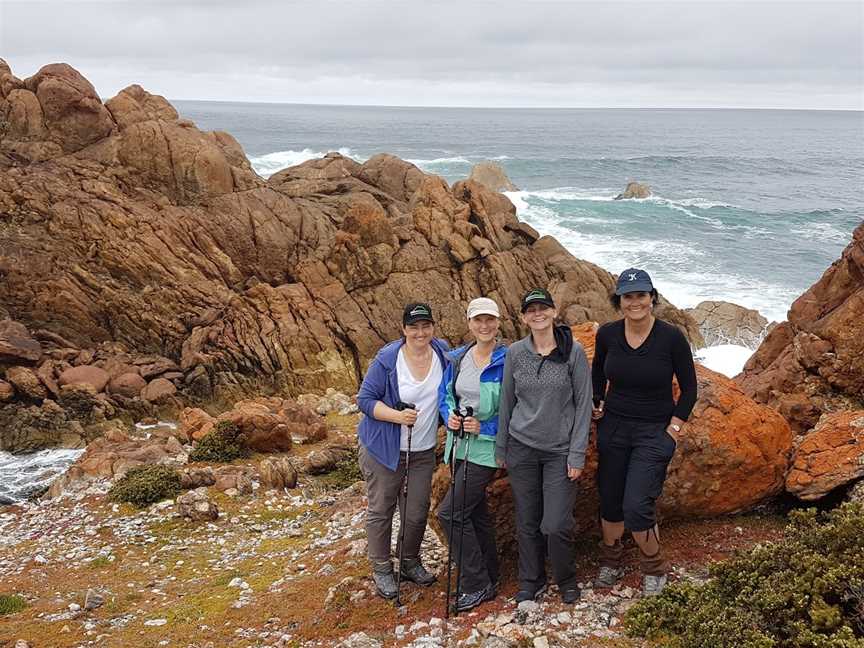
(473,379)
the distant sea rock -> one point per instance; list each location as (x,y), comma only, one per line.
(492,176)
(634,190)
(726,323)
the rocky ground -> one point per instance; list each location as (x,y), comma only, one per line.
(281,568)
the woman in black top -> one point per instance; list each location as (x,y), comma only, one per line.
(638,423)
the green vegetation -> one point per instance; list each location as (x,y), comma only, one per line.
(11,603)
(144,485)
(346,472)
(223,444)
(805,591)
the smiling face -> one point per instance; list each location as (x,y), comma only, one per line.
(484,328)
(636,306)
(418,334)
(539,317)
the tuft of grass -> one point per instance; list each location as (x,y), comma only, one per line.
(805,591)
(223,444)
(11,603)
(99,562)
(144,485)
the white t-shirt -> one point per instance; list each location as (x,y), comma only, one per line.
(424,394)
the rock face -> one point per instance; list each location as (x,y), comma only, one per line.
(814,362)
(830,455)
(124,223)
(732,455)
(492,176)
(16,344)
(634,190)
(725,323)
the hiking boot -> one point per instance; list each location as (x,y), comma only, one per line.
(607,576)
(385,582)
(652,585)
(570,595)
(471,600)
(413,570)
(529,595)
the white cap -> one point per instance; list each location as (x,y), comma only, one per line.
(483,306)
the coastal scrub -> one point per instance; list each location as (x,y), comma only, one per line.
(806,590)
(11,603)
(144,485)
(223,444)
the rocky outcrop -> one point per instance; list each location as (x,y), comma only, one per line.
(125,223)
(829,456)
(726,323)
(16,343)
(634,190)
(729,440)
(492,176)
(814,362)
(196,505)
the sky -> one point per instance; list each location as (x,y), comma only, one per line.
(693,53)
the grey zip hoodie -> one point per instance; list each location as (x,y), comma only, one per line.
(546,401)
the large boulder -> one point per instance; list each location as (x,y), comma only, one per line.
(814,362)
(95,377)
(492,176)
(271,424)
(729,440)
(634,190)
(160,236)
(726,323)
(829,456)
(26,382)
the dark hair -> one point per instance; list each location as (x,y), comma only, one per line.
(616,299)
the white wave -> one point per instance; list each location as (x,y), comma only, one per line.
(23,474)
(702,203)
(458,159)
(501,157)
(149,426)
(821,232)
(727,359)
(267,165)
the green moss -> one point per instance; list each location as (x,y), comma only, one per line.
(346,472)
(11,603)
(99,562)
(805,591)
(144,485)
(223,444)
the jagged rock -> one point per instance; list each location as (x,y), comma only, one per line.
(270,424)
(85,374)
(196,477)
(238,478)
(16,343)
(277,473)
(7,392)
(196,506)
(814,362)
(322,461)
(828,456)
(726,323)
(290,285)
(634,190)
(158,390)
(81,402)
(195,423)
(729,439)
(158,367)
(492,176)
(26,382)
(93,600)
(30,428)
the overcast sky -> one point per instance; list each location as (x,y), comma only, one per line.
(790,54)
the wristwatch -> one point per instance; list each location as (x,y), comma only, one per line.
(675,427)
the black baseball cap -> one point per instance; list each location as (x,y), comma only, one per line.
(417,312)
(633,280)
(537,296)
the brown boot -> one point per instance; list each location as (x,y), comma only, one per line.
(610,564)
(654,570)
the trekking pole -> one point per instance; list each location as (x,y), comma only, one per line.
(403,406)
(469,412)
(457,434)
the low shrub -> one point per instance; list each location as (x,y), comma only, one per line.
(347,470)
(804,591)
(223,444)
(144,485)
(11,603)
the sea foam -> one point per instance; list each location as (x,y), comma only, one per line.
(267,165)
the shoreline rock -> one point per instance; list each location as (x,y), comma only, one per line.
(723,322)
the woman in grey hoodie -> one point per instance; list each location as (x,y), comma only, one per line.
(543,423)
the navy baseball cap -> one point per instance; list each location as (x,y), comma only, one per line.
(633,280)
(537,296)
(417,312)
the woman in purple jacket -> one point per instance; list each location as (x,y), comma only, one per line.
(407,370)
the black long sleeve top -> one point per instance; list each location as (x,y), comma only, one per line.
(640,380)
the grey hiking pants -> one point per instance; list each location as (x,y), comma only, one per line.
(384,491)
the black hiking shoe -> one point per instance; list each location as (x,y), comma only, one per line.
(470,600)
(570,595)
(414,571)
(385,582)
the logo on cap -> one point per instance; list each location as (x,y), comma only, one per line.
(419,310)
(535,294)
(632,276)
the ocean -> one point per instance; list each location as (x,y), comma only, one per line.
(749,206)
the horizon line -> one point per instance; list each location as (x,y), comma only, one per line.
(474,107)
